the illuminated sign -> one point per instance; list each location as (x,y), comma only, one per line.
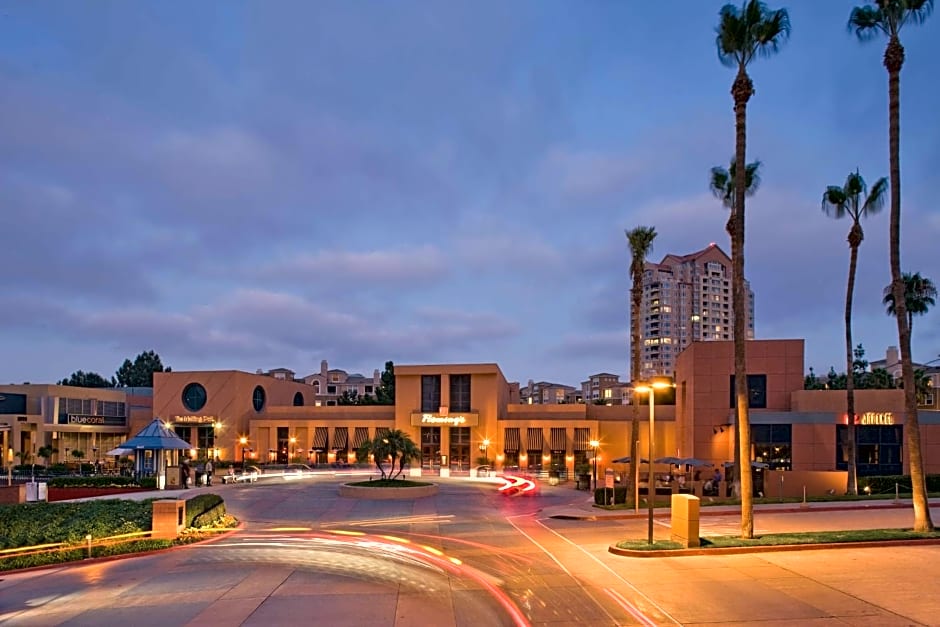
(194,420)
(86,419)
(876,418)
(454,420)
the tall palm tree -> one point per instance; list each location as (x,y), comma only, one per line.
(838,202)
(721,183)
(743,34)
(920,295)
(887,17)
(640,240)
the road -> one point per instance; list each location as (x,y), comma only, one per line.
(470,556)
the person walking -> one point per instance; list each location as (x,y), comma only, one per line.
(209,469)
(185,473)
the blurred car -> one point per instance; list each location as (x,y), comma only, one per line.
(249,474)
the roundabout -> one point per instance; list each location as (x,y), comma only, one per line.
(362,490)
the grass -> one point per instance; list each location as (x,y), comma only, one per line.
(706,501)
(390,483)
(781,539)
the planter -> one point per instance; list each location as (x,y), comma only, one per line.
(362,492)
(66,494)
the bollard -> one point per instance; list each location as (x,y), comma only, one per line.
(804,504)
(88,538)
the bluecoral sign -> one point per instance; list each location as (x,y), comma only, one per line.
(86,419)
(462,419)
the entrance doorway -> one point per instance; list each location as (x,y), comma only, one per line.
(431,449)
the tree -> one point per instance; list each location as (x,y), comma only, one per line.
(46,453)
(87,380)
(852,201)
(887,17)
(722,184)
(722,181)
(920,295)
(352,397)
(393,447)
(385,394)
(640,240)
(743,34)
(140,373)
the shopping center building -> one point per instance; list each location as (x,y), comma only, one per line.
(462,414)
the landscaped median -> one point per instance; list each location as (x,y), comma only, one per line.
(725,545)
(39,534)
(387,489)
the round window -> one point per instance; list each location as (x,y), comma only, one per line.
(194,397)
(257,398)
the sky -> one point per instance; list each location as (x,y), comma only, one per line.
(254,185)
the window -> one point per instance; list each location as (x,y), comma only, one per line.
(331,389)
(298,399)
(877,449)
(430,392)
(773,445)
(460,392)
(194,397)
(756,390)
(368,389)
(258,398)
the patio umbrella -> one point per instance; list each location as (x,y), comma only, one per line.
(672,461)
(117,452)
(626,460)
(695,462)
(753,465)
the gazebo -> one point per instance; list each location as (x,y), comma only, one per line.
(155,448)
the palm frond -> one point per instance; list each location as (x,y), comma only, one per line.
(867,23)
(834,201)
(876,197)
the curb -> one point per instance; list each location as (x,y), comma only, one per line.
(705,512)
(738,550)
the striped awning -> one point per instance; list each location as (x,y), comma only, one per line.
(559,441)
(360,437)
(379,431)
(582,437)
(512,440)
(340,438)
(320,438)
(536,439)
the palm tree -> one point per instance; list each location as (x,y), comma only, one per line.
(920,295)
(722,183)
(838,202)
(887,17)
(743,34)
(640,240)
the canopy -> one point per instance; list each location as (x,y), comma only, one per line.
(155,437)
(117,452)
(694,462)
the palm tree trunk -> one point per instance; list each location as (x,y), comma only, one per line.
(741,90)
(893,60)
(636,300)
(851,486)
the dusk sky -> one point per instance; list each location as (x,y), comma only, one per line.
(245,185)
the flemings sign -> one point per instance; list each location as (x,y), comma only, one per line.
(462,419)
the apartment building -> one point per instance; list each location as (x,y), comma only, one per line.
(545,393)
(603,388)
(686,298)
(329,385)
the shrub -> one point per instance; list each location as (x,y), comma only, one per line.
(28,524)
(203,510)
(92,482)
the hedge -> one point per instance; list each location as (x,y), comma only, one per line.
(28,524)
(76,554)
(204,510)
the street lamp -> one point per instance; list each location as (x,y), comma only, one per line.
(594,444)
(244,442)
(486,447)
(650,387)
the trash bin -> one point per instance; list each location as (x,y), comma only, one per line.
(43,493)
(37,492)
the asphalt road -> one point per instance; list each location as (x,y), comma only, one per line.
(471,556)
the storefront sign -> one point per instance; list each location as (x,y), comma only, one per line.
(85,419)
(876,418)
(194,420)
(427,419)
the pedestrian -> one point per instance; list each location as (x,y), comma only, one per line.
(185,473)
(210,467)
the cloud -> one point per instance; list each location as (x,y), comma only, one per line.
(374,268)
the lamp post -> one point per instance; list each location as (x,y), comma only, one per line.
(656,383)
(486,447)
(244,442)
(594,444)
